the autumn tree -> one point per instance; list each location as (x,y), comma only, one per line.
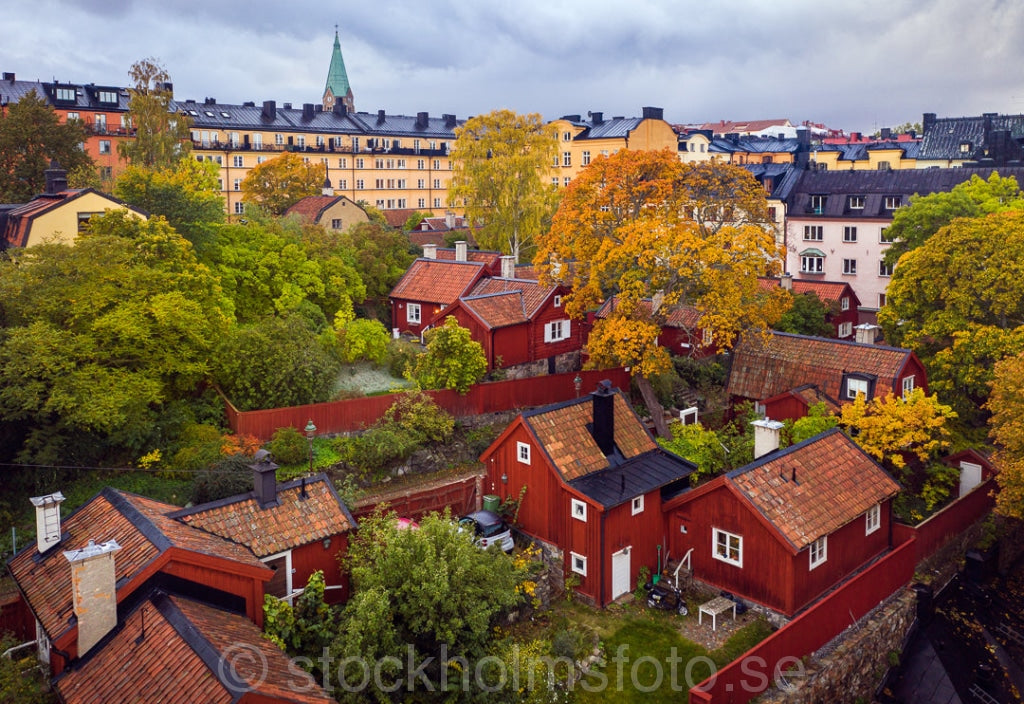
(927,214)
(642,225)
(958,302)
(283,181)
(31,136)
(499,168)
(453,360)
(1006,423)
(807,316)
(161,137)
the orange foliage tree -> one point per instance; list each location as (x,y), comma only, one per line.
(642,226)
(1006,403)
(890,427)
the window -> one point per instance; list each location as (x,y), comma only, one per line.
(401,203)
(638,505)
(884,237)
(893,202)
(300,142)
(772,215)
(849,266)
(278,139)
(812,264)
(107,172)
(566,136)
(849,233)
(558,301)
(401,163)
(604,152)
(437,202)
(260,159)
(257,142)
(104,146)
(437,164)
(236,161)
(523,452)
(83,220)
(378,163)
(872,519)
(233,139)
(401,183)
(844,303)
(556,331)
(319,140)
(359,184)
(566,158)
(72,115)
(578,510)
(819,551)
(727,547)
(856,386)
(565,181)
(908,385)
(856,202)
(881,300)
(420,183)
(421,164)
(554,160)
(578,563)
(706,337)
(238,184)
(884,269)
(360,163)
(814,232)
(355,146)
(101,123)
(239,208)
(818,204)
(585,158)
(412,313)
(335,223)
(342,162)
(107,96)
(845,329)
(343,183)
(554,181)
(65,94)
(437,183)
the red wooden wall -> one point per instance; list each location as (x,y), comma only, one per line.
(307,559)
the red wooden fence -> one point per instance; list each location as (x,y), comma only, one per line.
(359,413)
(460,496)
(953,520)
(759,668)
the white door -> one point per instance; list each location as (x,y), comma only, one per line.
(620,572)
(970,476)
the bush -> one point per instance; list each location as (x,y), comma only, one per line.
(400,355)
(363,339)
(418,414)
(230,476)
(288,446)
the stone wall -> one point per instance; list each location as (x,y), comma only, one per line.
(850,667)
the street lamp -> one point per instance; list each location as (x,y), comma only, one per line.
(578,384)
(310,433)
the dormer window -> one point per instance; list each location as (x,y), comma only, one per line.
(818,204)
(893,202)
(965,147)
(856,202)
(855,383)
(66,94)
(106,96)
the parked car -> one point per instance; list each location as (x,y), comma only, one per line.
(403,523)
(488,529)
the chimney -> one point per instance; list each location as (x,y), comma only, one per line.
(653,114)
(265,478)
(786,281)
(422,120)
(307,111)
(927,122)
(269,110)
(287,106)
(508,266)
(886,133)
(449,220)
(866,333)
(603,428)
(380,117)
(209,101)
(461,249)
(56,178)
(47,520)
(597,117)
(430,251)
(340,109)
(449,121)
(766,436)
(94,592)
(9,76)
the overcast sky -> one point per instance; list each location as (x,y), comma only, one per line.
(851,65)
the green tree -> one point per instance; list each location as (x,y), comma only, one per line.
(283,181)
(500,164)
(925,215)
(381,254)
(958,302)
(31,135)
(186,193)
(363,339)
(700,445)
(807,316)
(817,420)
(161,137)
(431,590)
(1006,425)
(306,629)
(453,360)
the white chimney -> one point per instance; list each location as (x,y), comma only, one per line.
(867,333)
(461,249)
(766,436)
(47,520)
(430,251)
(786,281)
(449,220)
(94,592)
(508,266)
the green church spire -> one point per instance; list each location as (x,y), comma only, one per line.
(337,89)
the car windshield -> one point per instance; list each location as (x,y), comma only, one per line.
(489,529)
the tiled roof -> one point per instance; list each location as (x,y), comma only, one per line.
(726,127)
(482,256)
(172,649)
(292,522)
(835,483)
(139,525)
(312,207)
(678,316)
(562,432)
(812,395)
(437,281)
(824,290)
(396,218)
(531,294)
(762,368)
(498,310)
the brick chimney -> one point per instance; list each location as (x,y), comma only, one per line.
(866,333)
(766,436)
(603,428)
(508,266)
(264,473)
(47,520)
(461,251)
(430,251)
(56,178)
(94,591)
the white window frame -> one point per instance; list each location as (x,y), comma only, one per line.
(578,509)
(413,313)
(558,301)
(523,452)
(287,555)
(237,161)
(818,552)
(812,264)
(557,330)
(814,233)
(849,233)
(850,267)
(844,303)
(856,386)
(893,202)
(586,158)
(884,270)
(856,203)
(872,519)
(845,329)
(578,563)
(727,546)
(884,238)
(637,505)
(239,207)
(908,385)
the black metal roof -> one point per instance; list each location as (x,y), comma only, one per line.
(783,177)
(615,485)
(944,136)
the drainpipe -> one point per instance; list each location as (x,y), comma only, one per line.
(600,582)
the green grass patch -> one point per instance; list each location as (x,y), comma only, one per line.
(324,457)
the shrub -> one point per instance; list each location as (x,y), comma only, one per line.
(288,446)
(418,414)
(400,355)
(229,476)
(363,339)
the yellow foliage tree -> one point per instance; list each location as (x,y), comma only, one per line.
(280,183)
(889,427)
(1006,403)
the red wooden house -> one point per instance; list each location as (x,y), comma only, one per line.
(788,527)
(681,333)
(763,367)
(837,295)
(592,482)
(795,403)
(428,287)
(517,321)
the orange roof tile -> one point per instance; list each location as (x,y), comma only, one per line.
(434,281)
(835,483)
(294,521)
(311,208)
(562,431)
(678,316)
(824,290)
(485,257)
(762,368)
(498,310)
(172,649)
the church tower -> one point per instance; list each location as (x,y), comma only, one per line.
(338,90)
